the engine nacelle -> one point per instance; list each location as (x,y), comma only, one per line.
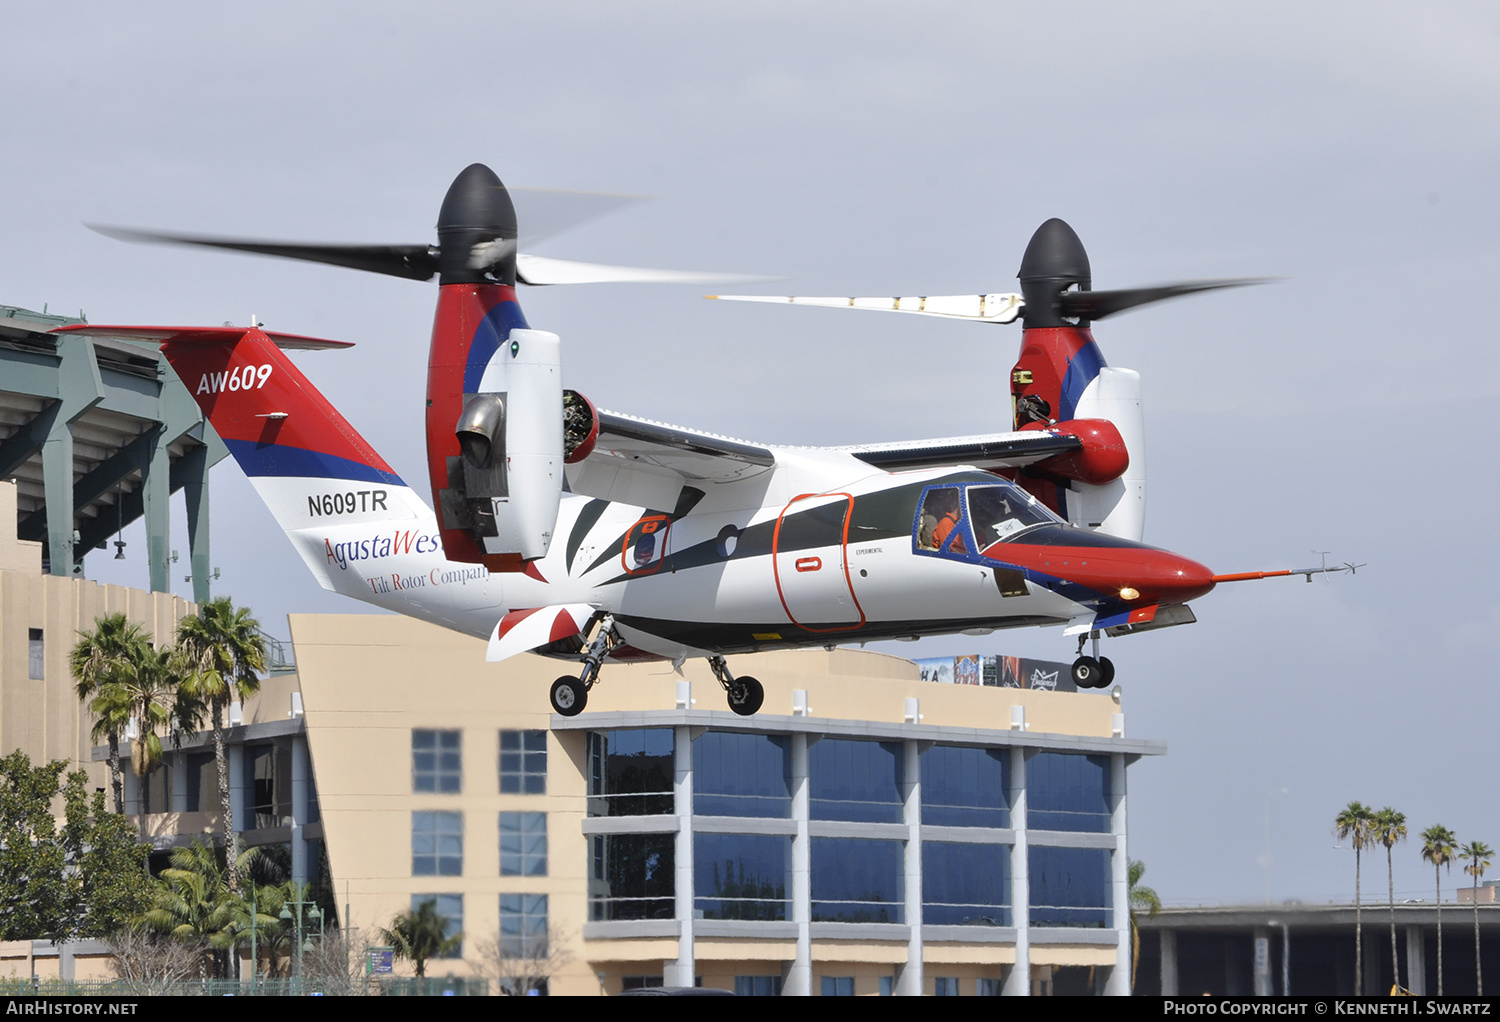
(505,487)
(1104,457)
(1117,505)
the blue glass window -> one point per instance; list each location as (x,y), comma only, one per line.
(632,876)
(757,986)
(523,844)
(436,761)
(1067,792)
(630,772)
(742,876)
(742,775)
(965,884)
(523,926)
(450,907)
(945,986)
(854,780)
(523,762)
(1069,886)
(836,986)
(965,787)
(858,880)
(437,844)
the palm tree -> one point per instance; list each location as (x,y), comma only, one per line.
(418,935)
(224,652)
(100,663)
(194,903)
(158,701)
(1478,855)
(254,919)
(1354,822)
(1389,829)
(1141,899)
(1439,847)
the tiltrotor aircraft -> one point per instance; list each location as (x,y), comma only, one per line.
(589,535)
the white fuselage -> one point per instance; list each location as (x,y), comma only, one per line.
(847,583)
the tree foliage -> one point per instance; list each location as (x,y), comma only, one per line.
(82,876)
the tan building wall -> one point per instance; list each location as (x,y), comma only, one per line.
(367,681)
(43,717)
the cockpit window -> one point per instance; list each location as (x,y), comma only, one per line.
(941,512)
(999,512)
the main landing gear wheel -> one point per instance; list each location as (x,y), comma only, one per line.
(745,696)
(1106,672)
(1089,673)
(569,696)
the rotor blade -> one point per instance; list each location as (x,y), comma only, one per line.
(545,212)
(535,269)
(1092,305)
(414,262)
(1002,308)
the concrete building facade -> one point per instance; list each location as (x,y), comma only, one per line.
(864,833)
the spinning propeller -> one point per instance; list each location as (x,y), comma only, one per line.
(478,242)
(1055,290)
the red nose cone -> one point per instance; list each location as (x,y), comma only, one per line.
(1139,575)
(1169,578)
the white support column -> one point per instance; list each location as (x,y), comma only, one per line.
(1118,983)
(235,754)
(1260,965)
(1018,983)
(176,765)
(1168,962)
(799,977)
(301,773)
(131,787)
(1416,961)
(681,972)
(909,980)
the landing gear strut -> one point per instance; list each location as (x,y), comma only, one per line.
(745,694)
(571,695)
(1092,671)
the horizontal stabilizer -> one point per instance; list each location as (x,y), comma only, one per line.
(523,630)
(200,335)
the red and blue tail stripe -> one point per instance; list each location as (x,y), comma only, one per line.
(272,420)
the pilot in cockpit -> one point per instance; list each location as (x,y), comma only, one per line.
(940,514)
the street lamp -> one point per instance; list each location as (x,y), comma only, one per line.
(315,913)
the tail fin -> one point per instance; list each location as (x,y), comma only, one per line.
(313,470)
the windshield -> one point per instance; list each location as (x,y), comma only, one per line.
(999,512)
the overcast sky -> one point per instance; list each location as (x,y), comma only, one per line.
(1349,148)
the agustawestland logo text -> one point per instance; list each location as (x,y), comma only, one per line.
(403,541)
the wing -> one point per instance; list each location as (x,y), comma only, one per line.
(992,450)
(645,463)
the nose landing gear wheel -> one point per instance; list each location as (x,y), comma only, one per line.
(569,696)
(1106,672)
(1087,672)
(745,696)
